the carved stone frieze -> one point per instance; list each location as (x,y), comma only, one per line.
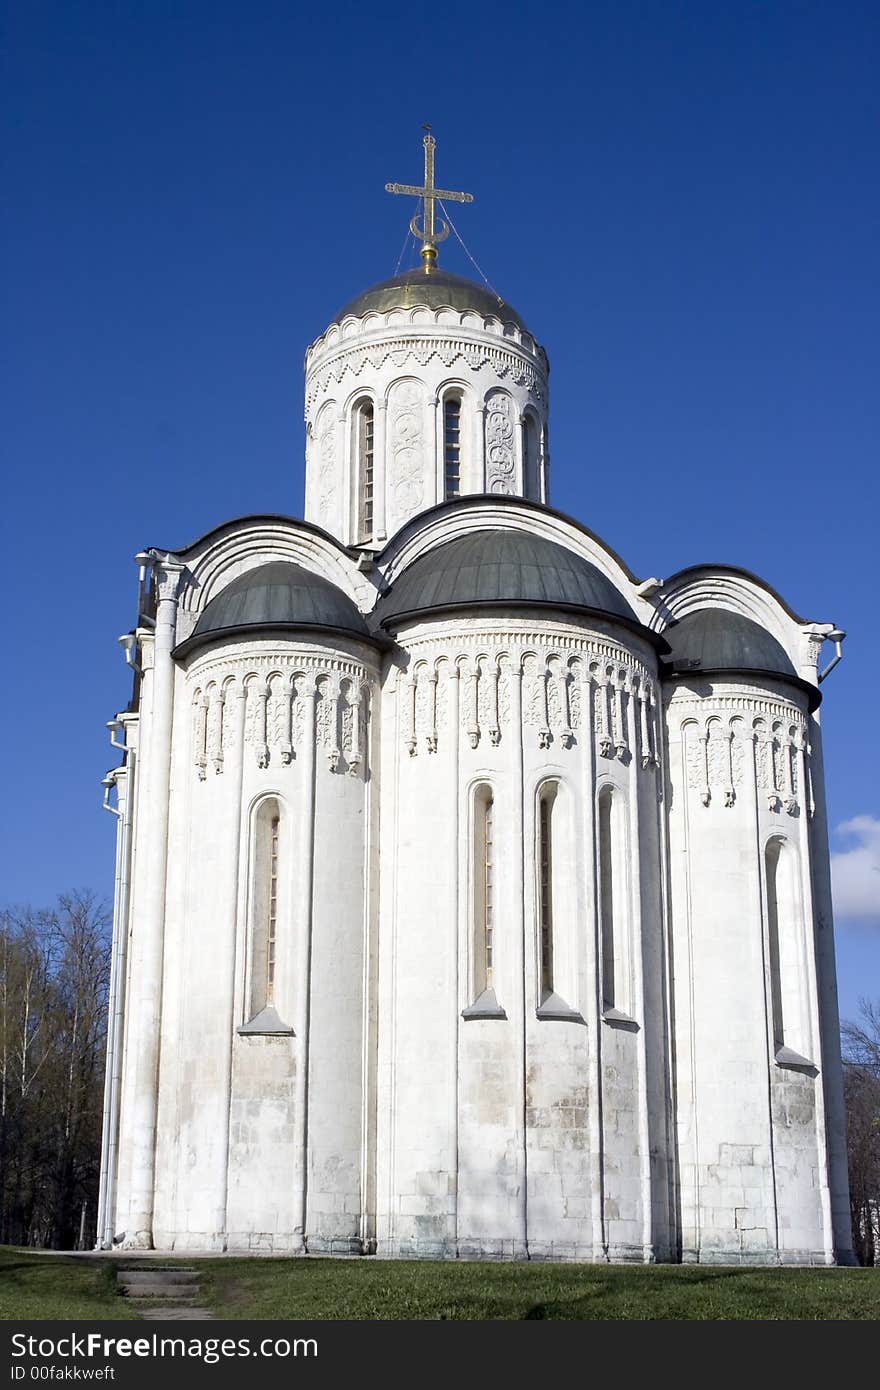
(328,719)
(500,453)
(274,691)
(214,731)
(646,722)
(406,449)
(199,730)
(701,697)
(426,685)
(718,746)
(555,693)
(326,447)
(504,362)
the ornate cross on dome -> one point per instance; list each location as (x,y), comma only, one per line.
(430,232)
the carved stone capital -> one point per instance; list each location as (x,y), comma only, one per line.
(815,642)
(168,574)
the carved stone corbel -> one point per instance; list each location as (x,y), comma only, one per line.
(201,732)
(431,736)
(705,791)
(217,752)
(261,741)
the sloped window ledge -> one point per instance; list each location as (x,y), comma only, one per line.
(486,1006)
(787,1057)
(554,1006)
(265,1024)
(616,1018)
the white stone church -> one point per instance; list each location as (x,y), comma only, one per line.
(472,894)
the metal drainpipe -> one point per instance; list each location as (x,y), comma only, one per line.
(118,1015)
(836,636)
(108,783)
(123,778)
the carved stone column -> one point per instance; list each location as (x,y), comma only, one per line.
(589,692)
(235,704)
(303,919)
(150,926)
(520,454)
(518,937)
(479,467)
(435,432)
(637,934)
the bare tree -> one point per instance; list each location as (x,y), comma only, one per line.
(861,1079)
(54,968)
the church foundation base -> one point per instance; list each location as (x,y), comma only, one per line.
(801,1259)
(139,1240)
(539,1252)
(265,1243)
(341,1245)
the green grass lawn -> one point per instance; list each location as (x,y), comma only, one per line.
(372,1288)
(44,1286)
(57,1286)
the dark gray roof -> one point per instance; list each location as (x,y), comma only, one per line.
(436,289)
(500,567)
(278,595)
(714,639)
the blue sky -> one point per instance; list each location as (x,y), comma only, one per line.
(680,198)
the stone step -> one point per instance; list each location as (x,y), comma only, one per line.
(152,1275)
(176,1313)
(167,1294)
(175,1292)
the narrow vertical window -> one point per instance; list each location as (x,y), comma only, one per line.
(556,944)
(366,457)
(267,983)
(606,901)
(545,886)
(484,886)
(452,446)
(531,482)
(791,1030)
(265,907)
(772,867)
(489,888)
(272,911)
(614,932)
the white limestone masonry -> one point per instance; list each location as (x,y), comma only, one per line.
(489,930)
